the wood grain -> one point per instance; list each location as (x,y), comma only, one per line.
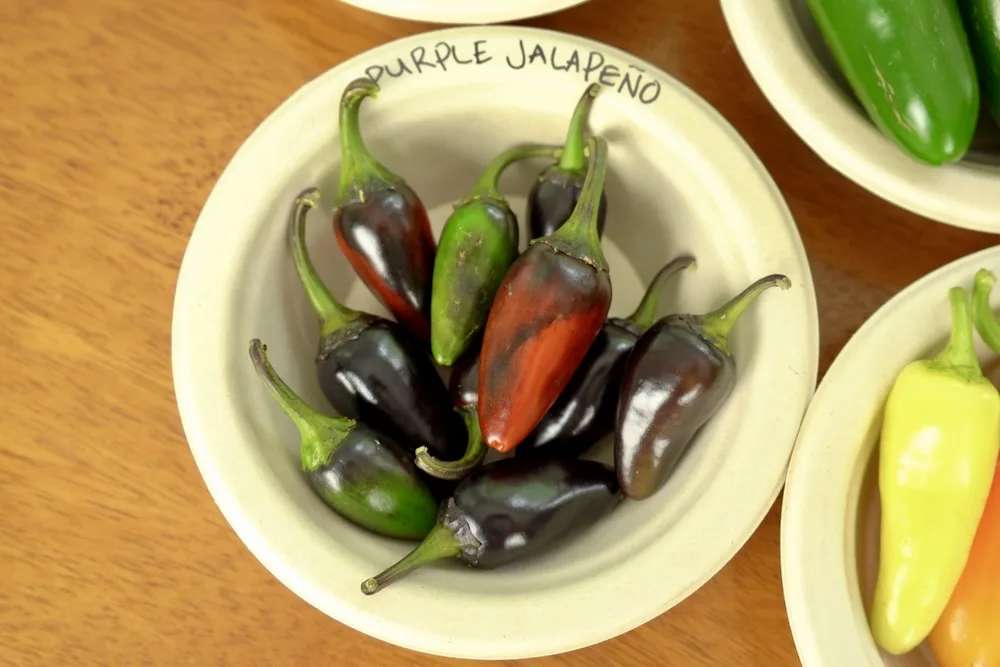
(116,117)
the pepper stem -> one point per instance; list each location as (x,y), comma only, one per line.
(321,435)
(959,355)
(573,159)
(475,452)
(488,185)
(645,313)
(359,170)
(717,324)
(982,315)
(333,315)
(439,543)
(578,236)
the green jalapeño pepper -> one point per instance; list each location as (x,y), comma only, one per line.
(982,24)
(360,473)
(477,245)
(909,64)
(939,443)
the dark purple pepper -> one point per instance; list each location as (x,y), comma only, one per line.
(679,374)
(510,510)
(585,410)
(372,369)
(556,191)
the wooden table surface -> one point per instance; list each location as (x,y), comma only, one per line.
(116,118)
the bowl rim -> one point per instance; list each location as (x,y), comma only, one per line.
(769,40)
(192,332)
(462,12)
(815,515)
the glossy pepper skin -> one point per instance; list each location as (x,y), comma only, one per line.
(370,368)
(478,243)
(585,410)
(982,25)
(380,223)
(557,190)
(966,633)
(680,372)
(463,387)
(511,510)
(549,308)
(362,474)
(909,64)
(938,448)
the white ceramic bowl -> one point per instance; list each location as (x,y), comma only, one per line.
(787,57)
(681,180)
(830,512)
(465,12)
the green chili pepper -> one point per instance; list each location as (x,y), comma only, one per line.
(478,243)
(362,474)
(909,64)
(982,314)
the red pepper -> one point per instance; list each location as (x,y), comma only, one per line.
(550,306)
(381,225)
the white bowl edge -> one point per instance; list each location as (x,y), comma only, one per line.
(782,63)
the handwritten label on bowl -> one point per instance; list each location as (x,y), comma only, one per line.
(590,65)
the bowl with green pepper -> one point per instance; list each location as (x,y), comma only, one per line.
(475,338)
(901,97)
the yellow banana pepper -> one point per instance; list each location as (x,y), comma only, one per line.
(939,443)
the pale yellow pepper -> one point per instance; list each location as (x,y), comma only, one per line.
(939,443)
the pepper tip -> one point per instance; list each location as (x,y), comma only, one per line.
(369,586)
(985,277)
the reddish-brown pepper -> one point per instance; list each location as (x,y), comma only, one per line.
(549,308)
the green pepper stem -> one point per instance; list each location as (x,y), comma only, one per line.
(717,324)
(959,355)
(321,435)
(358,167)
(475,452)
(439,543)
(573,159)
(645,313)
(333,315)
(982,315)
(488,185)
(578,236)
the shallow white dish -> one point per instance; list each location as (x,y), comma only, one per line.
(785,53)
(465,12)
(830,507)
(680,181)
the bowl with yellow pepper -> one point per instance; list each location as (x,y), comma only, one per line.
(890,536)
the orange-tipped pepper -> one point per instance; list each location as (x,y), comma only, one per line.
(547,311)
(968,632)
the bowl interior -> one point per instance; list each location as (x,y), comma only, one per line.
(867,522)
(680,181)
(440,152)
(985,147)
